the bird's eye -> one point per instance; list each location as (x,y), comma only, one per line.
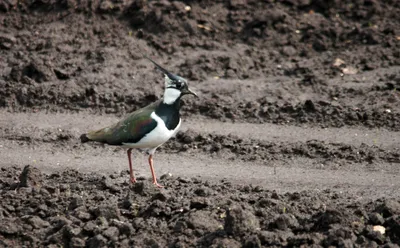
(178,84)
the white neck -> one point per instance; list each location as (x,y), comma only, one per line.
(171,95)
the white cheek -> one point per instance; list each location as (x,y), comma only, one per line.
(167,81)
(170,95)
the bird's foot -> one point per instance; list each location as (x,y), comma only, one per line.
(158,185)
(133,180)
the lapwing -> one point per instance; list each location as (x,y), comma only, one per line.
(149,127)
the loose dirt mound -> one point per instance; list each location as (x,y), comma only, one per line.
(78,210)
(76,54)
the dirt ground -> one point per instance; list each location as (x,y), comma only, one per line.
(294,141)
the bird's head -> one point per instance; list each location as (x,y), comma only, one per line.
(175,86)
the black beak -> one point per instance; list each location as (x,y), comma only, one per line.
(189,92)
(170,75)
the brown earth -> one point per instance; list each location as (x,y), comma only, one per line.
(295,140)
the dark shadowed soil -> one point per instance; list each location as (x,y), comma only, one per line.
(72,209)
(294,141)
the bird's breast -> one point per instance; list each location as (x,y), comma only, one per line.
(158,136)
(169,114)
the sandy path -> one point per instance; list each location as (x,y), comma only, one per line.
(292,175)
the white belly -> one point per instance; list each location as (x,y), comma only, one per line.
(156,137)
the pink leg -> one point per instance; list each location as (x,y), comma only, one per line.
(153,173)
(133,179)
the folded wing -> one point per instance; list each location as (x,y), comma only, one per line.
(129,130)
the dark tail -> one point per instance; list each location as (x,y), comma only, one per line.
(84,138)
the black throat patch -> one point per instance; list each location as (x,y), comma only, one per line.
(169,113)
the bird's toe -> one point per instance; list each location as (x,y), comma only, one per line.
(158,185)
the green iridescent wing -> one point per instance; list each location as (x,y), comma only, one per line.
(129,130)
